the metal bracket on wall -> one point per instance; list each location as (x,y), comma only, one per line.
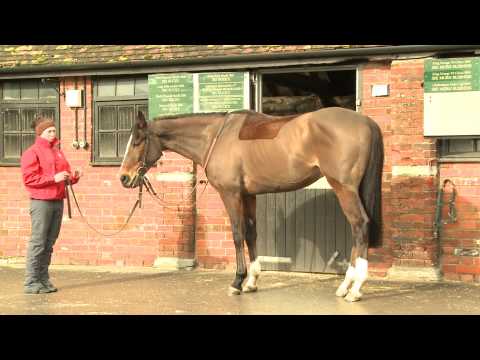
(452,211)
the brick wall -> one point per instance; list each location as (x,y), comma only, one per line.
(465,233)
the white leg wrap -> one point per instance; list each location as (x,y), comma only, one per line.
(253,274)
(361,268)
(361,274)
(349,277)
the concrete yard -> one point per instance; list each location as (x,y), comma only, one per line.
(85,290)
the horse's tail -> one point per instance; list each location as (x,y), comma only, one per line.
(371,185)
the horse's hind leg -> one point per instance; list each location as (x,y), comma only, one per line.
(342,290)
(235,208)
(358,268)
(251,239)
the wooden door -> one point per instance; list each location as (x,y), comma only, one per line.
(303,230)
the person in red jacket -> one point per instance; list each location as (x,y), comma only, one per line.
(45,171)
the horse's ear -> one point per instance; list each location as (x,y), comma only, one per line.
(142,123)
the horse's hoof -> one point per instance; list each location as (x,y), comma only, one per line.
(233,291)
(351,297)
(249,288)
(341,292)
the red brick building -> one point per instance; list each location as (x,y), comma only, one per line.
(384,82)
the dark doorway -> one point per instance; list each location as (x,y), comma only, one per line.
(304,230)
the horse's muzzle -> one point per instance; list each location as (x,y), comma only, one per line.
(125,180)
(129,182)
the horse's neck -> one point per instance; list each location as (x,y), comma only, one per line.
(190,137)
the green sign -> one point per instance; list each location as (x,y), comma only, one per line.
(452,75)
(221,91)
(170,94)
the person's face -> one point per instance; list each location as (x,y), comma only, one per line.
(49,134)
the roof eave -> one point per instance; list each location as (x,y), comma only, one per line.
(328,53)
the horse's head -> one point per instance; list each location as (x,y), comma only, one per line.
(142,152)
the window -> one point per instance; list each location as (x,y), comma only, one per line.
(459,149)
(20,103)
(117,101)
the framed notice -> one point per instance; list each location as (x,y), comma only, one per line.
(222,91)
(170,94)
(452,97)
(186,93)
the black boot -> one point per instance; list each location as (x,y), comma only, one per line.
(36,288)
(47,284)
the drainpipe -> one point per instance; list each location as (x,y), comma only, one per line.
(83,143)
(75,144)
(438,215)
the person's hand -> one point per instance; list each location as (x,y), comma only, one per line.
(61,176)
(78,174)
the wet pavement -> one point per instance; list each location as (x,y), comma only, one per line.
(138,291)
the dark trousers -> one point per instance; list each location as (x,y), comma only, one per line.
(46,222)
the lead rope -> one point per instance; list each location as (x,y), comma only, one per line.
(151,191)
(139,200)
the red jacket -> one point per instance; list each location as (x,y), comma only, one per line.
(39,163)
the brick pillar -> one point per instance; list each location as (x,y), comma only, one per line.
(174,181)
(379,110)
(414,181)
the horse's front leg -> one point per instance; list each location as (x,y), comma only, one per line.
(234,206)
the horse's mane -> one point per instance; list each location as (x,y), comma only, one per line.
(168,117)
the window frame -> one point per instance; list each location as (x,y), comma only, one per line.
(99,101)
(97,160)
(445,156)
(50,103)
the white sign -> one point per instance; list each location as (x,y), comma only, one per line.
(73,98)
(380,90)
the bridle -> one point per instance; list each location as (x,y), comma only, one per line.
(143,168)
(141,174)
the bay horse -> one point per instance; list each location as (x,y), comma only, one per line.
(273,154)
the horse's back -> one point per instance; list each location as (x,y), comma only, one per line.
(332,139)
(337,116)
(307,146)
(259,126)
